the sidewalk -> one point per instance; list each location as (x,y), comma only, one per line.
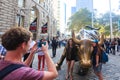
(110,70)
(55,59)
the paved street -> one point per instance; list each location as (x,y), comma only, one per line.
(111,70)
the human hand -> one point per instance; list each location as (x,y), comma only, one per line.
(96,64)
(0,56)
(34,48)
(45,47)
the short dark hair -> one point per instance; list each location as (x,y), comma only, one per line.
(15,36)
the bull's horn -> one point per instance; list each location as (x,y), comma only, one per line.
(101,39)
(74,39)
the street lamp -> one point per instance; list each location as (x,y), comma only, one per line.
(111,32)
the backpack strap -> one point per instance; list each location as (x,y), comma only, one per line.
(7,70)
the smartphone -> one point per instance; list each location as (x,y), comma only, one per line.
(40,44)
(44,43)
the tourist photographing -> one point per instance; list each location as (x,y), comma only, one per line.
(17,42)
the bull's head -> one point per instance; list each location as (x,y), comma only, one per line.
(85,50)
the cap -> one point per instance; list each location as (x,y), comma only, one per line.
(95,41)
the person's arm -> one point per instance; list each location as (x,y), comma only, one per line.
(0,56)
(59,63)
(29,60)
(97,60)
(52,72)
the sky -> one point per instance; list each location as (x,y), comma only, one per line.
(102,6)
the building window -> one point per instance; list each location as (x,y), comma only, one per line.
(21,3)
(41,1)
(37,1)
(47,7)
(20,20)
(33,15)
(43,14)
(33,21)
(44,4)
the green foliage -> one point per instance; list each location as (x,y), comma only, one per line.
(79,20)
(83,17)
(105,21)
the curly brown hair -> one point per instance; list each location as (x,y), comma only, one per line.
(15,36)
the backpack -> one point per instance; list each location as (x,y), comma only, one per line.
(104,57)
(8,69)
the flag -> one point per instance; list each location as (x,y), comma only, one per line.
(44,28)
(33,26)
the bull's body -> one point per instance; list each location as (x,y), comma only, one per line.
(85,47)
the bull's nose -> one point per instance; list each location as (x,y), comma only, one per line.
(86,63)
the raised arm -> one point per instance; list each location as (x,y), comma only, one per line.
(52,72)
(59,63)
(29,60)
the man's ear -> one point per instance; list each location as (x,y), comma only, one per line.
(23,45)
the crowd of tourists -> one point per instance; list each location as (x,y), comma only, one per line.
(17,51)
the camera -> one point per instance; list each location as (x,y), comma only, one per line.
(40,44)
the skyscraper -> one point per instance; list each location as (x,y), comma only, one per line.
(60,14)
(88,4)
(73,10)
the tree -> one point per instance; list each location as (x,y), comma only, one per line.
(105,21)
(79,20)
(83,17)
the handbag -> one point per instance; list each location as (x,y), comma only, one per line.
(104,57)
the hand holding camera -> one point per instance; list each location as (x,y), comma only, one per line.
(45,47)
(41,43)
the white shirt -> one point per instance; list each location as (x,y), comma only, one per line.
(40,52)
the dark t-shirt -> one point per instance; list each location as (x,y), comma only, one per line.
(23,73)
(54,43)
(71,53)
(94,53)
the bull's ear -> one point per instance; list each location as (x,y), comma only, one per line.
(74,39)
(101,39)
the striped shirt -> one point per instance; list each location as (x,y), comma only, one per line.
(23,73)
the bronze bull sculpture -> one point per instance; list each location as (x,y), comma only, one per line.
(85,48)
